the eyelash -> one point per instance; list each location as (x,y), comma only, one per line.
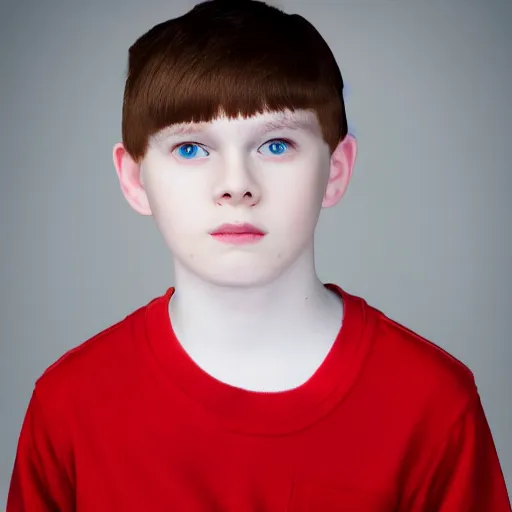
(287,141)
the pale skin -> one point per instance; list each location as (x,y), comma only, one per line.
(243,313)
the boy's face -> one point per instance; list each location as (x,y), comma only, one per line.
(273,171)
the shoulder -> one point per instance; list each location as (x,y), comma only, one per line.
(91,366)
(424,357)
(426,382)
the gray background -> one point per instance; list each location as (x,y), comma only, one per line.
(423,232)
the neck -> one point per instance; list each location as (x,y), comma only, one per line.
(294,301)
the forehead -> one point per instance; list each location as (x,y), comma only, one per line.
(298,120)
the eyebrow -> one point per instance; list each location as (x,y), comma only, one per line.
(286,122)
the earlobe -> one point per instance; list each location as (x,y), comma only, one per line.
(342,165)
(129,174)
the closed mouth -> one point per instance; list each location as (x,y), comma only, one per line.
(237,229)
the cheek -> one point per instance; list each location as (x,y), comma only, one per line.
(295,219)
(301,201)
(177,200)
(176,215)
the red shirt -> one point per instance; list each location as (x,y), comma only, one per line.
(128,422)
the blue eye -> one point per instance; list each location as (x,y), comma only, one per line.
(189,150)
(276,147)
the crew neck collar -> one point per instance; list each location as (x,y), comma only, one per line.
(260,412)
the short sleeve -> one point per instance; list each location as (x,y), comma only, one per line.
(39,480)
(464,472)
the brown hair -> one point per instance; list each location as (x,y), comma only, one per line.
(239,57)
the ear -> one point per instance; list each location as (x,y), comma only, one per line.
(342,165)
(128,172)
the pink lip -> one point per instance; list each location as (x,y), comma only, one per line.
(238,233)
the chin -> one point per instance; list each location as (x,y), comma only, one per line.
(234,270)
(247,276)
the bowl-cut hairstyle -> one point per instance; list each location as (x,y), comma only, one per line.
(230,57)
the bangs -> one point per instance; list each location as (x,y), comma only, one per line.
(230,67)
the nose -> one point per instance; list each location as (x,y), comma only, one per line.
(237,187)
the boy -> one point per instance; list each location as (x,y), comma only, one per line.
(251,385)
